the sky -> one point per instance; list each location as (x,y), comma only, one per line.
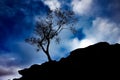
(98,22)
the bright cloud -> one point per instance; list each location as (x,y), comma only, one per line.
(53,4)
(75,43)
(61,50)
(81,7)
(104,30)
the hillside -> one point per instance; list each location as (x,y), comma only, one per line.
(98,61)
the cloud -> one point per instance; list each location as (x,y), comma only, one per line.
(114,9)
(75,43)
(8,67)
(107,9)
(6,60)
(102,30)
(53,4)
(22,55)
(57,51)
(9,73)
(30,54)
(81,7)
(5,71)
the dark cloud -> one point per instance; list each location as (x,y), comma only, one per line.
(6,64)
(108,8)
(5,72)
(114,7)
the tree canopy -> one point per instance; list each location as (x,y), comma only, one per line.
(48,28)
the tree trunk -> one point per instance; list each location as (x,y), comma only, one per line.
(47,50)
(48,56)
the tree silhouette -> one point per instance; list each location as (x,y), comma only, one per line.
(48,28)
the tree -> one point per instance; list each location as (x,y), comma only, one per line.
(49,27)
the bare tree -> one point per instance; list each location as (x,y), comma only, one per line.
(49,27)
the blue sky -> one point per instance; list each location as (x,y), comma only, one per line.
(98,21)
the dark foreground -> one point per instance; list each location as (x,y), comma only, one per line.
(99,61)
